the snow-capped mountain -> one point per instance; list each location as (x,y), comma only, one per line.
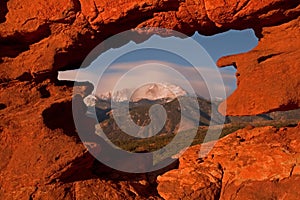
(152,91)
(119,96)
(156,91)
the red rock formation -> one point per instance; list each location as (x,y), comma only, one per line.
(268,73)
(46,36)
(40,152)
(258,164)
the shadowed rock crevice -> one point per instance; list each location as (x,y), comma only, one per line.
(19,42)
(44,92)
(2,106)
(264,58)
(63,115)
(59,116)
(3,10)
(26,76)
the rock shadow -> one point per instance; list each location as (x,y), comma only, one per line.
(3,10)
(59,116)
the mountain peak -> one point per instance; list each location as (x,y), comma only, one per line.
(154,91)
(151,91)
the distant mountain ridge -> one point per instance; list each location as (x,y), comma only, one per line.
(167,95)
(139,112)
(151,91)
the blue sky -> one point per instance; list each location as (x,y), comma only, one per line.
(230,42)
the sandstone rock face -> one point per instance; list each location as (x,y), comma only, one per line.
(276,58)
(41,155)
(261,163)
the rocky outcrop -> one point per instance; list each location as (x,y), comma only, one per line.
(40,36)
(276,58)
(41,155)
(259,163)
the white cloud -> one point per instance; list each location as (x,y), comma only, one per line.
(114,73)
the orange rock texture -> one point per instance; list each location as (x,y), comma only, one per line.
(268,73)
(45,36)
(260,163)
(41,155)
